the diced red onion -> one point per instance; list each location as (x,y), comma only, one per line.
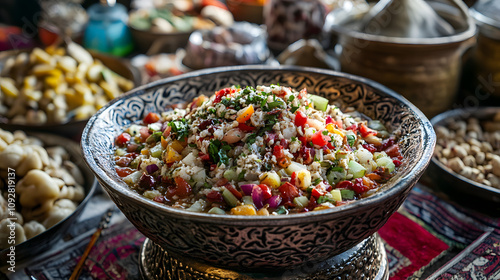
(152,168)
(274,201)
(164,126)
(247,188)
(286,179)
(146,182)
(257,197)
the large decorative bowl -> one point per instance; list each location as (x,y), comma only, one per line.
(261,243)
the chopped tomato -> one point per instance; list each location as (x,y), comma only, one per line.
(151,118)
(288,192)
(344,185)
(204,157)
(235,192)
(365,131)
(300,118)
(328,120)
(318,190)
(124,171)
(396,162)
(144,132)
(123,161)
(359,187)
(221,93)
(123,139)
(244,127)
(393,151)
(167,131)
(370,147)
(214,196)
(278,152)
(183,189)
(266,191)
(319,139)
(294,178)
(353,127)
(307,154)
(312,204)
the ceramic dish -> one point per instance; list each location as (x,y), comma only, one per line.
(263,242)
(458,187)
(45,240)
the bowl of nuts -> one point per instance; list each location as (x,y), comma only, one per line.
(57,89)
(466,162)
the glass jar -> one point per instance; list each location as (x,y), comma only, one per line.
(107,30)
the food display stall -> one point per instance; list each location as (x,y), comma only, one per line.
(250,139)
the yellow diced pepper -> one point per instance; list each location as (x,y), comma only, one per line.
(52,81)
(42,69)
(248,210)
(177,146)
(145,151)
(172,155)
(331,128)
(263,212)
(245,114)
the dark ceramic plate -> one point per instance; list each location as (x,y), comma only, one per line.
(71,128)
(261,242)
(466,191)
(42,242)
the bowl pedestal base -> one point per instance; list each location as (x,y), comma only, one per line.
(367,260)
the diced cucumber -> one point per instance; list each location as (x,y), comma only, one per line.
(230,199)
(231,175)
(134,129)
(301,201)
(132,178)
(320,103)
(387,163)
(357,170)
(376,125)
(294,167)
(336,175)
(196,207)
(120,152)
(135,163)
(247,200)
(347,194)
(156,151)
(336,195)
(216,210)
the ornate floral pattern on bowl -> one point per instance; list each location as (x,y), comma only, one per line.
(261,242)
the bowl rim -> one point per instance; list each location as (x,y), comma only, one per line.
(463,113)
(428,143)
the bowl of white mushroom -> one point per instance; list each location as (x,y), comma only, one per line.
(466,162)
(57,89)
(44,187)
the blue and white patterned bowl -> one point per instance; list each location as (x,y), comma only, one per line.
(261,242)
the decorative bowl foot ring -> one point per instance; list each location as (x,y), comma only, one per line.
(367,260)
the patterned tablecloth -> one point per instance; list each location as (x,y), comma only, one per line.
(428,237)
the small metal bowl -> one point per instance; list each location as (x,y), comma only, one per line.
(44,241)
(464,190)
(71,128)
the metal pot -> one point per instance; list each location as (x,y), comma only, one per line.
(487,53)
(424,70)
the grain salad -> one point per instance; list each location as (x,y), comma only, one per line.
(267,150)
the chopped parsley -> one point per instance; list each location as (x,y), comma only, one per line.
(180,128)
(351,139)
(217,151)
(317,181)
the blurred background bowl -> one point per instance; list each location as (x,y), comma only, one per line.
(72,128)
(247,10)
(260,243)
(42,242)
(462,189)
